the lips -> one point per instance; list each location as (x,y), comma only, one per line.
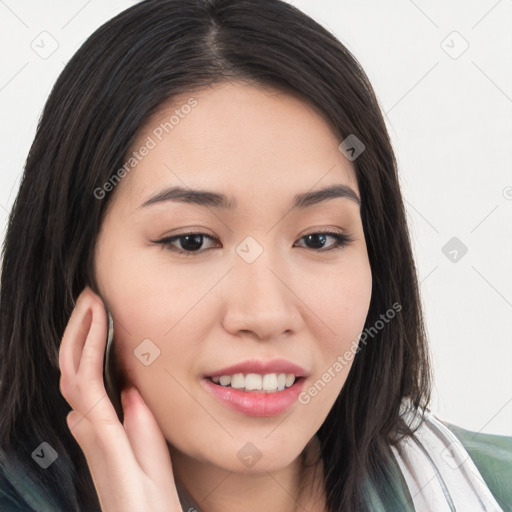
(252,403)
(260,367)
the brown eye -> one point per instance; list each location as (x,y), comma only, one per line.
(189,243)
(317,241)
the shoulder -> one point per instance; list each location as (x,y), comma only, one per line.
(17,491)
(492,455)
(449,466)
(9,497)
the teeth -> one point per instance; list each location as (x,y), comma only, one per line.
(225,380)
(290,379)
(270,382)
(253,381)
(238,381)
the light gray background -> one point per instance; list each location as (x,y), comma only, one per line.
(449,112)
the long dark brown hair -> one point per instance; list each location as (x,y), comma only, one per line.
(119,77)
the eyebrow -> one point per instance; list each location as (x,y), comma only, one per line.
(221,201)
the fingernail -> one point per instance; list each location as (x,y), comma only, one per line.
(127,395)
(124,397)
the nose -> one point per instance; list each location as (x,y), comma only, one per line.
(261,301)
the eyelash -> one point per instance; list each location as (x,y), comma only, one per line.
(341,241)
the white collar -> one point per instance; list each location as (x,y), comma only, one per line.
(438,470)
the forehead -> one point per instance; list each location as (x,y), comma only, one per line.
(238,137)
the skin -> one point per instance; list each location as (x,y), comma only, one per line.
(213,309)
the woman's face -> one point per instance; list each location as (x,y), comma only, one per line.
(258,289)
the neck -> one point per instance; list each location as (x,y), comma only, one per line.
(296,487)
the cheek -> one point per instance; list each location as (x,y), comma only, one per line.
(148,296)
(348,308)
(340,298)
(147,320)
(341,302)
(343,307)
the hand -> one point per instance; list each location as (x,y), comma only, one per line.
(129,463)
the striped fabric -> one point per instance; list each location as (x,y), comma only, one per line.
(439,472)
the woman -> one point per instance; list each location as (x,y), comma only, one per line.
(212,186)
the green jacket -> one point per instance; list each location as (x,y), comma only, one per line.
(492,455)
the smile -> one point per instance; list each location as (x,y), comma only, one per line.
(250,398)
(270,382)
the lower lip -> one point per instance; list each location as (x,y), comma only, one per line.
(253,403)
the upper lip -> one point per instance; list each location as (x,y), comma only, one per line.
(260,367)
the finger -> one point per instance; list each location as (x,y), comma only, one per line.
(89,379)
(105,466)
(84,433)
(91,362)
(73,340)
(106,447)
(80,428)
(146,439)
(84,341)
(76,328)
